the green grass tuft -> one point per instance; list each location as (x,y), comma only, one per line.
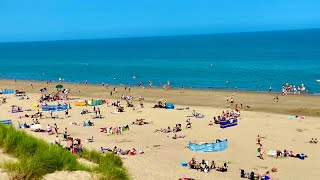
(38,158)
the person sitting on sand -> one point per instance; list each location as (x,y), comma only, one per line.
(216,121)
(49,129)
(224,168)
(168,130)
(115,150)
(177,128)
(57,141)
(90,123)
(188,125)
(178,137)
(65,133)
(210,123)
(141,122)
(213,165)
(193,163)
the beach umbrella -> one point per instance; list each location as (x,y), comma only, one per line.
(36,126)
(59,86)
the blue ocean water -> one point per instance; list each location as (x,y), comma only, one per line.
(249,61)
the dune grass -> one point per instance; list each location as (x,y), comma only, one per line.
(38,158)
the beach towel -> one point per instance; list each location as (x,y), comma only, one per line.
(272,153)
(183,163)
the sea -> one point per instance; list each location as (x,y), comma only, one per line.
(251,61)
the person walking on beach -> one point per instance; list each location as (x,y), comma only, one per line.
(55,126)
(258,140)
(50,113)
(241,104)
(110,93)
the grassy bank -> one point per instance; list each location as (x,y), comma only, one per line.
(38,158)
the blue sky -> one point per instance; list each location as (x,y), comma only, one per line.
(34,20)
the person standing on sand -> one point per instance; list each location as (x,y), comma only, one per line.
(31,85)
(55,126)
(241,104)
(99,112)
(50,113)
(110,93)
(258,140)
(261,151)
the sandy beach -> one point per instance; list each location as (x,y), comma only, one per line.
(163,155)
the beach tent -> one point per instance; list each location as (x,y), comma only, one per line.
(80,103)
(7,91)
(169,106)
(54,107)
(228,123)
(95,102)
(209,147)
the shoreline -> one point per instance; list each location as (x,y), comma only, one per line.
(292,104)
(172,88)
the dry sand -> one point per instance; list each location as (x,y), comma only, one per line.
(163,154)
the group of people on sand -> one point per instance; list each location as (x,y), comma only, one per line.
(286,153)
(226,115)
(74,145)
(197,115)
(119,151)
(55,96)
(253,176)
(177,128)
(260,149)
(115,130)
(141,122)
(293,89)
(160,104)
(204,166)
